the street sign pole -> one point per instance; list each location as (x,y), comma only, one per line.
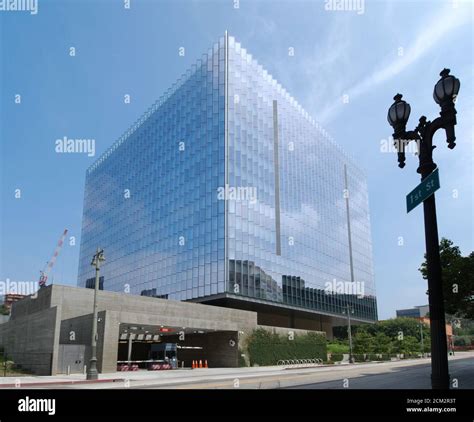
(424,192)
(439,347)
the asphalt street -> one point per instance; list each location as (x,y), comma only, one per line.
(412,377)
(393,375)
(402,374)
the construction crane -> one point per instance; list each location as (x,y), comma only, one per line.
(44,274)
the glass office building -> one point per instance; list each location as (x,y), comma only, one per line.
(227,192)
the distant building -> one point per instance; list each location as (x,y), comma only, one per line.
(421,313)
(415,312)
(449,331)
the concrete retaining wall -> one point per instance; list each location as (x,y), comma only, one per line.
(31,341)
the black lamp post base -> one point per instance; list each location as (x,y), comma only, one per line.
(439,383)
(92,373)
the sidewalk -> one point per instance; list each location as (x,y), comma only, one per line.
(142,375)
(190,375)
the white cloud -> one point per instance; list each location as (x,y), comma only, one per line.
(428,37)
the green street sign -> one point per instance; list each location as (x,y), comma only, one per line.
(423,191)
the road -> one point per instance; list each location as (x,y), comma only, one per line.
(411,377)
(405,374)
(392,375)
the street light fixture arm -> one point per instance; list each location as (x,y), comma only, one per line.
(426,130)
(401,139)
(445,94)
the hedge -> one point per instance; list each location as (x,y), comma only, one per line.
(337,357)
(337,347)
(267,348)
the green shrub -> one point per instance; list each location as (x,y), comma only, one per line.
(338,347)
(359,358)
(460,341)
(382,343)
(267,348)
(385,356)
(372,356)
(363,343)
(337,357)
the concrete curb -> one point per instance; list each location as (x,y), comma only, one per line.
(71,382)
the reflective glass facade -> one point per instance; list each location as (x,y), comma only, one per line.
(150,200)
(154,201)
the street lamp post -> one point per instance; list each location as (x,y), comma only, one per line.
(349,310)
(421,337)
(92,373)
(455,323)
(445,93)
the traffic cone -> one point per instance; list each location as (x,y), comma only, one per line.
(200,363)
(193,365)
(205,364)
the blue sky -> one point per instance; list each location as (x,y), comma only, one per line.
(345,70)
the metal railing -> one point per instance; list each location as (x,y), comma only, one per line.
(300,363)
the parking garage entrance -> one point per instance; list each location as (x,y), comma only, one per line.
(156,347)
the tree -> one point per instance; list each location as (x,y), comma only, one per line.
(390,328)
(398,335)
(463,327)
(393,327)
(458,279)
(383,344)
(408,345)
(363,343)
